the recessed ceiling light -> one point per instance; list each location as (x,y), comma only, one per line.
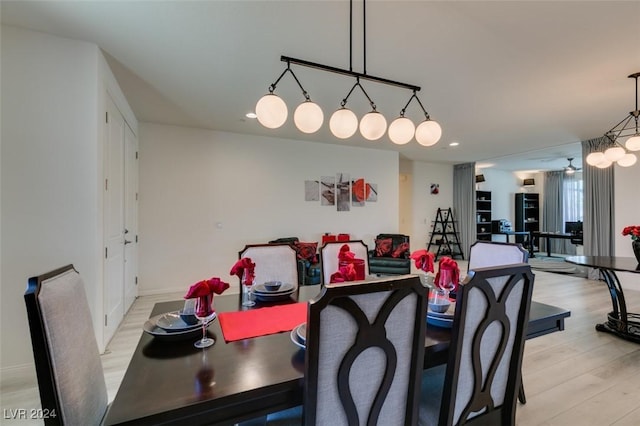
(454,144)
(251,115)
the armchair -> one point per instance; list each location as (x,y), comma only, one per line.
(391,255)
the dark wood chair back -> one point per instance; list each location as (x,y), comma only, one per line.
(67,359)
(483,374)
(365,350)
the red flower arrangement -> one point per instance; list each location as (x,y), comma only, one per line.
(634,231)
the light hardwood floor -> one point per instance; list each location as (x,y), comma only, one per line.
(575,377)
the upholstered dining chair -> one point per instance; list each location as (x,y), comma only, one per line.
(329,256)
(484,254)
(364,355)
(274,262)
(67,360)
(483,373)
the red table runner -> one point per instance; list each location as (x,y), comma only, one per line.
(261,322)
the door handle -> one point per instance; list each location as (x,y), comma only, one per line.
(127,242)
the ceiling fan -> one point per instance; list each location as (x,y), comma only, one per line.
(570,168)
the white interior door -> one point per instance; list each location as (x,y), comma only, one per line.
(113,219)
(130,217)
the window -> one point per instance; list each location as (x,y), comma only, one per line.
(572,189)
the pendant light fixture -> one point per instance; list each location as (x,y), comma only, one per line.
(308,117)
(617,152)
(271,110)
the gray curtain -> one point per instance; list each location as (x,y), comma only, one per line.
(598,203)
(464,206)
(553,213)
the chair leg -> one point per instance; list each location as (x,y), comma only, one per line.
(521,396)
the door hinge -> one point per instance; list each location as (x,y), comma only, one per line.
(105,320)
(106,116)
(136,155)
(106,184)
(136,196)
(106,251)
(136,280)
(136,238)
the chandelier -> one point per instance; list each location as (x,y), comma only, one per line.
(272,112)
(617,152)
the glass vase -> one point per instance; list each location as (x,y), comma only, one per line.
(247,293)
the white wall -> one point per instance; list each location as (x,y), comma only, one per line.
(51,164)
(424,205)
(205,194)
(49,153)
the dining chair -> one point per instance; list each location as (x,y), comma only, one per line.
(67,359)
(329,256)
(483,373)
(274,262)
(484,254)
(365,352)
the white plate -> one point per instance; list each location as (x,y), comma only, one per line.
(171,321)
(151,327)
(295,339)
(301,331)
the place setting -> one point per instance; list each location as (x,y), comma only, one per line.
(193,319)
(273,291)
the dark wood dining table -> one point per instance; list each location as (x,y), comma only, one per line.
(620,322)
(175,383)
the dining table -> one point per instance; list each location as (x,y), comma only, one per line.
(620,321)
(172,382)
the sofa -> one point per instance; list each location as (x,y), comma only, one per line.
(390,255)
(308,259)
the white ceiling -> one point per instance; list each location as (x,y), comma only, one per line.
(503,78)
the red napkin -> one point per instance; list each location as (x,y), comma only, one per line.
(244,265)
(423,259)
(261,322)
(448,268)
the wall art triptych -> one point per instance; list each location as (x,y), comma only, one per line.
(340,191)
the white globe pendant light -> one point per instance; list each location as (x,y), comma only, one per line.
(428,133)
(595,158)
(401,130)
(614,153)
(271,111)
(627,161)
(343,123)
(308,117)
(633,143)
(604,164)
(373,125)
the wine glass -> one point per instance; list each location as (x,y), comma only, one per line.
(204,312)
(247,293)
(446,282)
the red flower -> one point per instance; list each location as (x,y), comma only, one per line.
(206,287)
(633,230)
(423,260)
(239,268)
